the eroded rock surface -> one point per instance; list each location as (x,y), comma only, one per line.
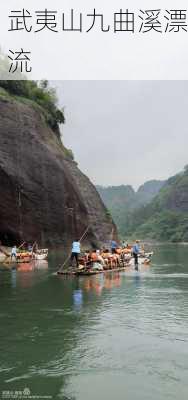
(44,196)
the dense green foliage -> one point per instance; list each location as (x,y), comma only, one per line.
(163,226)
(68,153)
(166,217)
(41,94)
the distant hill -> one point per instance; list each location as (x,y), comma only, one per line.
(122,200)
(166,216)
(148,191)
(116,196)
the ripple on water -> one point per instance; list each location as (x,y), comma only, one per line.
(164,290)
(165,275)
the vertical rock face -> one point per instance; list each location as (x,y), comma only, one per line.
(44,196)
(148,191)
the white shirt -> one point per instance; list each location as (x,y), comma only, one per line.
(76,247)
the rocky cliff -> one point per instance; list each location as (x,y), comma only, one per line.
(44,196)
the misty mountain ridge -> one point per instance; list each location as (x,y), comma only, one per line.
(126,195)
(159,211)
(123,199)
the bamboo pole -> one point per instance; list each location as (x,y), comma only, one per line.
(21,245)
(62,266)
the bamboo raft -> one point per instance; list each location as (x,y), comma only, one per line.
(90,272)
(23,257)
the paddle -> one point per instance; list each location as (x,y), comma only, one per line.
(32,251)
(4,252)
(21,245)
(7,255)
(61,268)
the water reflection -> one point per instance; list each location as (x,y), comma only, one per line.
(111,280)
(13,278)
(77,299)
(100,282)
(137,278)
(25,267)
(34,265)
(24,275)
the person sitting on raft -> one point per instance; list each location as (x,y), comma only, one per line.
(111,260)
(106,257)
(127,249)
(119,251)
(95,261)
(75,252)
(95,256)
(100,258)
(124,244)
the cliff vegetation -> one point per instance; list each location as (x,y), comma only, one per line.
(39,93)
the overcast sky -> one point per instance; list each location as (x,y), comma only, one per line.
(126,132)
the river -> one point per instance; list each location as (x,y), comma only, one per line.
(122,336)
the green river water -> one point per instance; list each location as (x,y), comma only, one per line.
(119,336)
